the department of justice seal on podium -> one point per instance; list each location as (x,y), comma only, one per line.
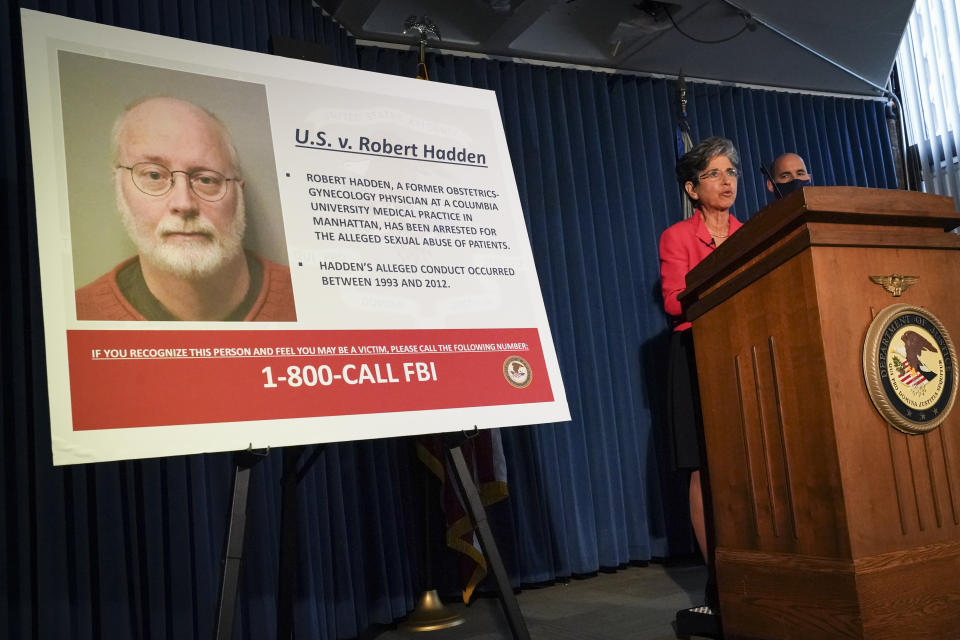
(909,365)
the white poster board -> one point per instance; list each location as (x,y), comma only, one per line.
(412,303)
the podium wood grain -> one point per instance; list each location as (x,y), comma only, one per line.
(829,523)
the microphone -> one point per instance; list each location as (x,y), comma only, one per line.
(776,187)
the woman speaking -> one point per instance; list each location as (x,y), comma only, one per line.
(708,175)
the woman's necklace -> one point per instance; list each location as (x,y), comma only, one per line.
(715,234)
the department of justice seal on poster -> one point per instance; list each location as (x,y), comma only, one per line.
(517,372)
(909,365)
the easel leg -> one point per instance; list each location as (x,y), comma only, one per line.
(233,549)
(468,491)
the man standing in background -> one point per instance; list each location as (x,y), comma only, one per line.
(789,173)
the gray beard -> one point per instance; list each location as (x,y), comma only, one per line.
(190,262)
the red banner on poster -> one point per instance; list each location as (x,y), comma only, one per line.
(124,379)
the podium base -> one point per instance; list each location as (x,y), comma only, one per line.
(431,615)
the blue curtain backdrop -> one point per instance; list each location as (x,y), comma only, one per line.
(132,549)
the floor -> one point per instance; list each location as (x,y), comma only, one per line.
(639,603)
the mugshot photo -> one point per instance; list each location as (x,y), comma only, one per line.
(173,197)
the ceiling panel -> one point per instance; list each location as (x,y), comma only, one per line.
(837,47)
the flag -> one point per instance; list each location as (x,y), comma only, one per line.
(484,456)
(683,140)
(483,452)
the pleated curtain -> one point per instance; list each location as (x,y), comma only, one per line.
(133,549)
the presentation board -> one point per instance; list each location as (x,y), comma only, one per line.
(368,228)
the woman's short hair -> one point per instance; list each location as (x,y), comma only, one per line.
(693,162)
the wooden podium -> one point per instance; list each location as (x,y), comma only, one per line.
(829,522)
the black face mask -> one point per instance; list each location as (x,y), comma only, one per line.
(782,189)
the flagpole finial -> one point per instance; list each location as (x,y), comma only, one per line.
(422,26)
